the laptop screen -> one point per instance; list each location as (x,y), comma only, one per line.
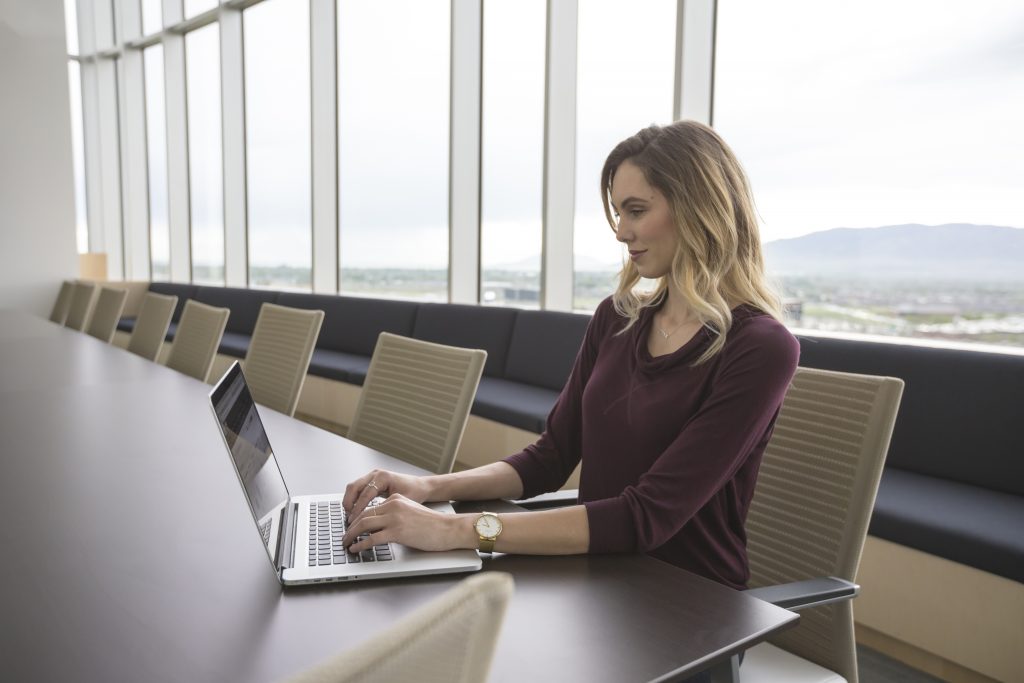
(250,448)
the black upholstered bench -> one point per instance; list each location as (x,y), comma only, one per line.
(953,484)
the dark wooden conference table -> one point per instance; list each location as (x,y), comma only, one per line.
(130,553)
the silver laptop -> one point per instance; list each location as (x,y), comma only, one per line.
(302,534)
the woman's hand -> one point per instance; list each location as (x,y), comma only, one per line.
(382,483)
(401,520)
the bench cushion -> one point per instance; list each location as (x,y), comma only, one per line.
(234,344)
(543,347)
(244,304)
(514,403)
(352,324)
(960,522)
(956,420)
(182,291)
(470,327)
(340,366)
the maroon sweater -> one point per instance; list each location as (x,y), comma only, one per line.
(670,451)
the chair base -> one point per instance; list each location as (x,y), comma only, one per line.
(766,663)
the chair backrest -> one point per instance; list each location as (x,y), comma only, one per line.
(81,305)
(279,353)
(449,640)
(63,303)
(151,325)
(416,399)
(813,499)
(106,313)
(197,339)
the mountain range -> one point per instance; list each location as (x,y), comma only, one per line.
(954,251)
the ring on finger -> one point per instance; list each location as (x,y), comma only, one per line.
(374,485)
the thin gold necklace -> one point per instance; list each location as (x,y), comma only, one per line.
(666,335)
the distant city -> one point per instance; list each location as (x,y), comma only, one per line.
(954,282)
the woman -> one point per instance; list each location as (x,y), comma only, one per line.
(672,398)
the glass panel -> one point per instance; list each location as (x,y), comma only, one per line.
(393,104)
(71,25)
(152,16)
(156,146)
(625,81)
(513,152)
(206,189)
(194,7)
(885,159)
(78,156)
(277,121)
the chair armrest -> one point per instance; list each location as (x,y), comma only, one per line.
(555,499)
(810,593)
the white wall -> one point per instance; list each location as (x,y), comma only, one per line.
(37,203)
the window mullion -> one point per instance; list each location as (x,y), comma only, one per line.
(236,245)
(559,156)
(323,47)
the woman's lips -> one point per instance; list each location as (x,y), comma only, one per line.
(636,254)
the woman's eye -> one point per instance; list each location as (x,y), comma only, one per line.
(636,213)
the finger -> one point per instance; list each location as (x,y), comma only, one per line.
(365,489)
(368,525)
(379,538)
(353,490)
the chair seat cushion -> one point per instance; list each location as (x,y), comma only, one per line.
(766,663)
(968,524)
(340,366)
(234,344)
(126,325)
(513,403)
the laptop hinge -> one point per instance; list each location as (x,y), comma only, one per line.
(286,540)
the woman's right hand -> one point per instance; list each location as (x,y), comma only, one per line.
(382,483)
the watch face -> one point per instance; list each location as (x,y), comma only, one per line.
(488,526)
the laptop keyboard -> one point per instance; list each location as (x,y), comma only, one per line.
(265,531)
(326,529)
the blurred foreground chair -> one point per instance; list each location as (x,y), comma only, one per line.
(416,399)
(278,356)
(197,339)
(107,312)
(809,518)
(449,640)
(60,307)
(151,325)
(81,305)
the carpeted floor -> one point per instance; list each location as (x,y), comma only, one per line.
(874,667)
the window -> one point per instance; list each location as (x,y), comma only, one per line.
(156,146)
(513,151)
(78,156)
(152,17)
(883,144)
(625,81)
(194,7)
(206,189)
(277,129)
(393,104)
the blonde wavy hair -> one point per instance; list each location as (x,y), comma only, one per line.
(719,263)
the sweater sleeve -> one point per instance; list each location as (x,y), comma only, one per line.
(546,464)
(737,415)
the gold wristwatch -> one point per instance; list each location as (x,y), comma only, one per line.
(488,527)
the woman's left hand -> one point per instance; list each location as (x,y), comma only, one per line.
(404,521)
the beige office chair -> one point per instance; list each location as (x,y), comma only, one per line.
(810,513)
(278,357)
(151,325)
(107,312)
(81,305)
(449,640)
(197,339)
(416,399)
(63,303)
